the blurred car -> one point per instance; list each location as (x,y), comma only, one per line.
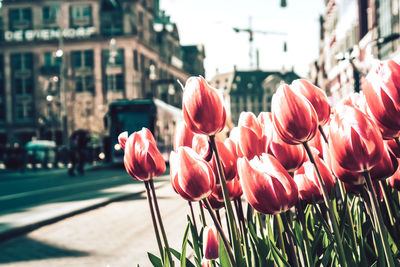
(40,151)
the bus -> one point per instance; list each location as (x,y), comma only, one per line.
(132,115)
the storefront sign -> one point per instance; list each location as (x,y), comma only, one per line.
(48,34)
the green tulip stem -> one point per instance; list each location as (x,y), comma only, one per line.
(338,237)
(192,214)
(280,236)
(381,229)
(228,206)
(388,208)
(220,231)
(289,237)
(243,229)
(203,218)
(160,222)
(153,218)
(321,130)
(300,212)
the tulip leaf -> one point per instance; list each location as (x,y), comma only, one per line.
(195,242)
(223,255)
(328,255)
(156,261)
(178,256)
(184,244)
(279,258)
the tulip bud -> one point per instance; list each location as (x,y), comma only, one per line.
(354,141)
(393,147)
(183,136)
(122,137)
(203,109)
(228,161)
(214,202)
(201,146)
(251,138)
(267,186)
(382,92)
(386,167)
(317,98)
(394,180)
(234,190)
(205,263)
(294,117)
(191,174)
(210,243)
(142,159)
(307,182)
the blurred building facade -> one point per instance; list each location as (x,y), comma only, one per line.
(62,62)
(354,34)
(249,90)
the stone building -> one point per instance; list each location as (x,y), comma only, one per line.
(249,90)
(62,62)
(354,35)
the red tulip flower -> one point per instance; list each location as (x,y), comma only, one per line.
(354,141)
(191,174)
(203,109)
(122,137)
(142,159)
(251,136)
(183,136)
(201,146)
(267,186)
(205,263)
(317,98)
(294,117)
(386,167)
(382,92)
(394,180)
(215,203)
(210,243)
(307,181)
(228,161)
(393,147)
(234,190)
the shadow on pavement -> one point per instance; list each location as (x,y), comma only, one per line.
(26,249)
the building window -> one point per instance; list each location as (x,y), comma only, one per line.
(20,18)
(49,14)
(23,85)
(135,60)
(82,59)
(21,62)
(115,82)
(24,110)
(84,83)
(81,15)
(2,91)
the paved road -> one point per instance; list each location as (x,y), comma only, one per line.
(118,234)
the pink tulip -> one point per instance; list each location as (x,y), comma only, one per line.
(354,141)
(201,146)
(307,181)
(382,92)
(251,138)
(142,159)
(210,243)
(203,109)
(122,137)
(214,203)
(394,180)
(183,136)
(317,98)
(386,167)
(393,147)
(228,161)
(267,186)
(294,117)
(191,174)
(234,190)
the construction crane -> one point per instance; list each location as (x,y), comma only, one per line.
(251,33)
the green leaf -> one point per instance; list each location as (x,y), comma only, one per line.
(223,255)
(195,242)
(279,258)
(184,243)
(328,254)
(156,261)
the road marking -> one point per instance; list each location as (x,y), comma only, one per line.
(60,188)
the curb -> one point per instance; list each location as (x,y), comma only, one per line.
(12,232)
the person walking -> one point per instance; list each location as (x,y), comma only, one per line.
(78,147)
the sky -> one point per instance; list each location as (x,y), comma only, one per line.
(211,22)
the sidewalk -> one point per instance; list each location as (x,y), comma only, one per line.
(25,220)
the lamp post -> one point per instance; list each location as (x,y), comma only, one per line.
(63,99)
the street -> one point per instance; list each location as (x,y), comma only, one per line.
(118,234)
